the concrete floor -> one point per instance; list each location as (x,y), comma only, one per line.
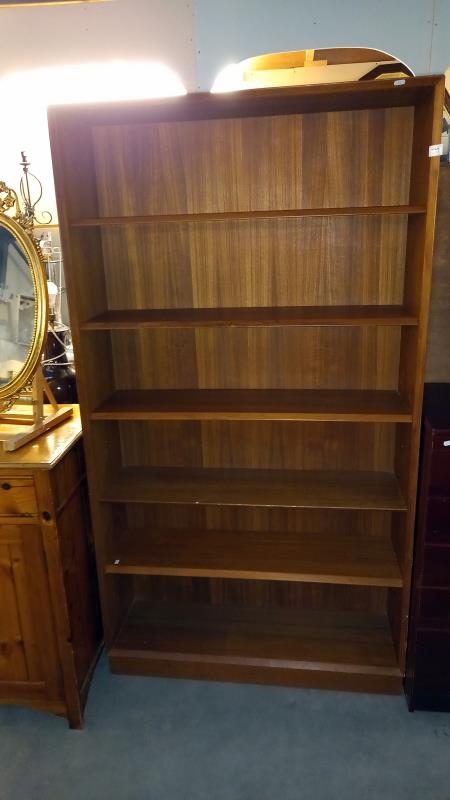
(155,739)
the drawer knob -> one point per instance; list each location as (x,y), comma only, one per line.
(46,515)
(6,486)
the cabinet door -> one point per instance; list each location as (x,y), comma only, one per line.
(28,656)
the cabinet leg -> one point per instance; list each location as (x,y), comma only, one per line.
(76,722)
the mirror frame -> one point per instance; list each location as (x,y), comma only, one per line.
(11,391)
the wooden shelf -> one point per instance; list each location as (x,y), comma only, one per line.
(349,558)
(199,229)
(290,646)
(225,216)
(255,404)
(134,319)
(256,487)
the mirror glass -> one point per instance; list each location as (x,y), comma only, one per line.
(17,307)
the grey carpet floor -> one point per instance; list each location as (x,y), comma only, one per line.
(157,739)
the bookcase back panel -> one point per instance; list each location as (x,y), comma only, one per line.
(155,359)
(148,266)
(260,445)
(262,594)
(258,358)
(241,518)
(350,260)
(255,163)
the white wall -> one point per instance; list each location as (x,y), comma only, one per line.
(416,31)
(440,49)
(155,30)
(52,36)
(196,38)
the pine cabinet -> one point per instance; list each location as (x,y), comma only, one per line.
(50,632)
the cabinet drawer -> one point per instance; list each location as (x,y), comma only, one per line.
(435,608)
(438,520)
(17,497)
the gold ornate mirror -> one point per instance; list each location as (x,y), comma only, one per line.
(23,309)
(23,324)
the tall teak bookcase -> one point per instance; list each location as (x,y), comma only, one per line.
(249,280)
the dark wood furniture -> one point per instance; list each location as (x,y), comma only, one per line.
(249,279)
(438,355)
(50,633)
(427,683)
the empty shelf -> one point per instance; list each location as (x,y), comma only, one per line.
(225,216)
(295,647)
(256,487)
(255,404)
(345,558)
(275,316)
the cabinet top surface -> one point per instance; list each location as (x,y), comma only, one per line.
(47,450)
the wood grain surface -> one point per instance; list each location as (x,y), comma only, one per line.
(353,558)
(293,489)
(255,404)
(262,242)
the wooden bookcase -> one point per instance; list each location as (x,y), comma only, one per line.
(249,280)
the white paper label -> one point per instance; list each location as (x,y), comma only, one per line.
(435,150)
(399,82)
(447,443)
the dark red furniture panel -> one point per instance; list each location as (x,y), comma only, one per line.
(427,681)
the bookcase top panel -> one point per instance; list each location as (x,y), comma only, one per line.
(257,102)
